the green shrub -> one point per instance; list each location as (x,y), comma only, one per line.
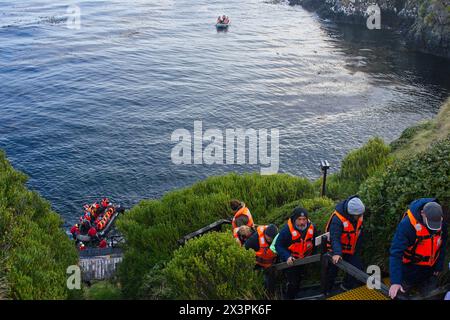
(154,285)
(356,167)
(388,193)
(319,210)
(153,227)
(35,251)
(103,290)
(213,266)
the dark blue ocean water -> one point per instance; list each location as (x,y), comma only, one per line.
(90,112)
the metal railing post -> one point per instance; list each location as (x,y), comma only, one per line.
(323,266)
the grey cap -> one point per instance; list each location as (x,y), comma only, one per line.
(355,207)
(433,213)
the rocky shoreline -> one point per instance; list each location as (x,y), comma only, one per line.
(425,24)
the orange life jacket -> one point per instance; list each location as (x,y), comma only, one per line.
(425,251)
(300,247)
(87,216)
(242,211)
(264,256)
(105,219)
(92,209)
(349,236)
(101,224)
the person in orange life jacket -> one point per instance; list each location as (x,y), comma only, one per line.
(88,213)
(88,216)
(103,244)
(75,231)
(105,202)
(417,251)
(295,241)
(95,238)
(260,241)
(245,232)
(100,211)
(95,210)
(242,217)
(85,226)
(93,233)
(345,226)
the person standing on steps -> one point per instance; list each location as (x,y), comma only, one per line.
(260,241)
(242,217)
(417,252)
(345,225)
(244,233)
(295,241)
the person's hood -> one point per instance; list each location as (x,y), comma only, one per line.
(417,205)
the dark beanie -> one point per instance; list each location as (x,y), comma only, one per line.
(299,212)
(271,231)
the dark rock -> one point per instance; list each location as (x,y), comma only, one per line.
(425,24)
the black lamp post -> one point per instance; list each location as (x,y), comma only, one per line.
(324,166)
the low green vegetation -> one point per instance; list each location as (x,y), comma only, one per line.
(34,250)
(356,167)
(102,290)
(213,267)
(319,211)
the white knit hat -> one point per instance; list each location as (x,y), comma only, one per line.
(355,207)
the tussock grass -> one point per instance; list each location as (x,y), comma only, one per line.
(420,137)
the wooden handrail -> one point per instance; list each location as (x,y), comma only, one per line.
(298,262)
(210,227)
